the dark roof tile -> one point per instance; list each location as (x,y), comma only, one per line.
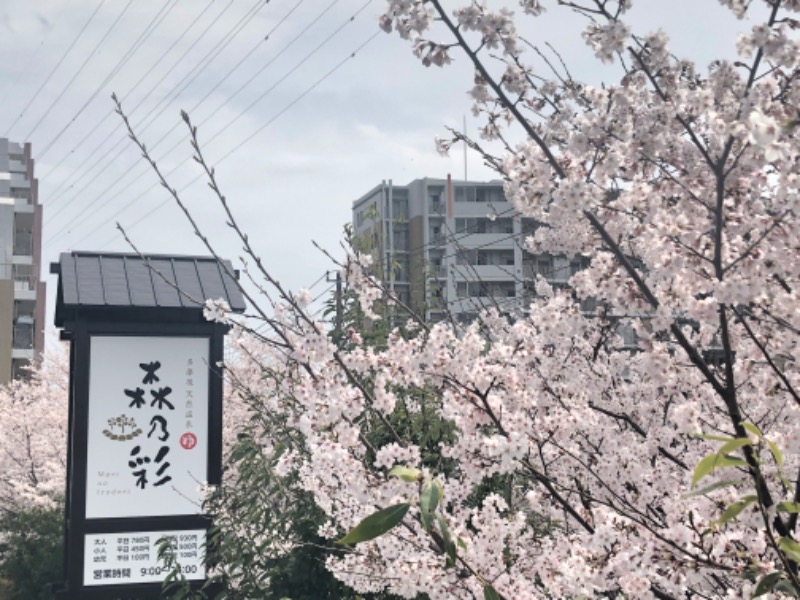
(91,279)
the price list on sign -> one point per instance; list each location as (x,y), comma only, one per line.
(122,558)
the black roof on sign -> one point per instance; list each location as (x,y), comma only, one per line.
(94,280)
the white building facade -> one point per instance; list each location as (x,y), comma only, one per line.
(451,248)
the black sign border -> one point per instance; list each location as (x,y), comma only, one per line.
(76,524)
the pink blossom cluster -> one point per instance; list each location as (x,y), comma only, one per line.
(680,186)
(33,437)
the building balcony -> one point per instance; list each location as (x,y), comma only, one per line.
(24,276)
(436,207)
(23,243)
(558,274)
(478,303)
(23,335)
(485,272)
(481,209)
(23,205)
(494,241)
(25,354)
(17,166)
(20,180)
(21,293)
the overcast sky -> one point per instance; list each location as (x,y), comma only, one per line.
(296,125)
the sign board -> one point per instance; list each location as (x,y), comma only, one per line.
(148,426)
(145,417)
(132,557)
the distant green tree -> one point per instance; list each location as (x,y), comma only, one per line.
(31,552)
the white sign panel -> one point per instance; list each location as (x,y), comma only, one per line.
(122,558)
(148,426)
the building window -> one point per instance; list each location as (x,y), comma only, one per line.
(465,193)
(483,225)
(435,200)
(471,193)
(20,368)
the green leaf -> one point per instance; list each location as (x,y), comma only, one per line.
(790,548)
(428,501)
(407,474)
(789,507)
(712,462)
(776,453)
(449,546)
(729,447)
(729,461)
(710,488)
(750,428)
(489,593)
(439,485)
(767,583)
(787,588)
(734,509)
(376,524)
(703,468)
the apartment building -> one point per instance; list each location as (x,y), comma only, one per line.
(22,294)
(453,248)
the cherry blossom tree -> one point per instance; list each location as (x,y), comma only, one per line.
(33,438)
(579,467)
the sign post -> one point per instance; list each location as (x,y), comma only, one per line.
(145,416)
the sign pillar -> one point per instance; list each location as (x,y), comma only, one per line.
(145,426)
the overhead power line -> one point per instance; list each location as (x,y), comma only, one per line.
(32,99)
(80,70)
(227,75)
(209,57)
(32,56)
(231,97)
(77,173)
(134,48)
(144,169)
(230,152)
(120,142)
(194,73)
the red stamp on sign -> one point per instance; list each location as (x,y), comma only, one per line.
(188,441)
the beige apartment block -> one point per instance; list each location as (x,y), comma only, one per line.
(22,293)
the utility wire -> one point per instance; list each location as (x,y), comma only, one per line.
(232,96)
(25,69)
(213,53)
(221,81)
(204,62)
(322,278)
(297,66)
(240,144)
(232,33)
(250,80)
(32,99)
(120,142)
(148,31)
(225,127)
(80,70)
(72,180)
